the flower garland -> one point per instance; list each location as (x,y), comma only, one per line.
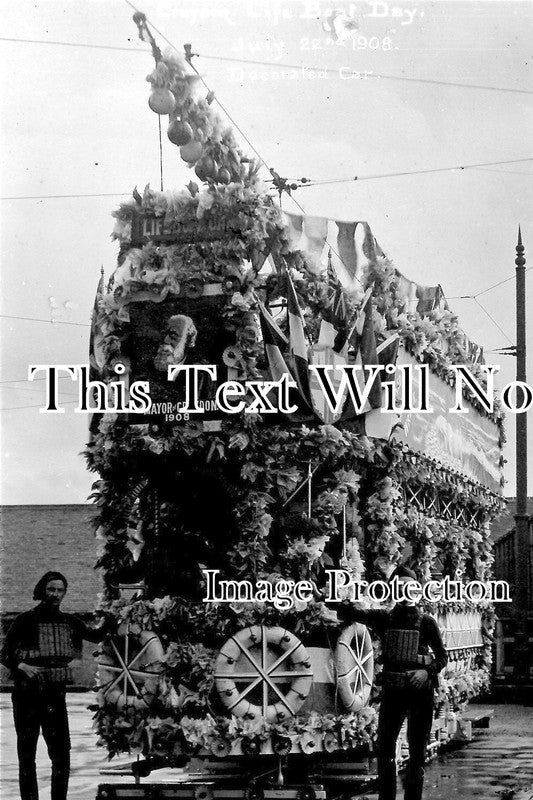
(457,689)
(435,338)
(169,736)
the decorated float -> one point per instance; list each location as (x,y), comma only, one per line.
(217,274)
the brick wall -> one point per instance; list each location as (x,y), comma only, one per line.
(35,539)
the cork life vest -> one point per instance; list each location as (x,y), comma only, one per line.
(54,652)
(400,647)
(401,650)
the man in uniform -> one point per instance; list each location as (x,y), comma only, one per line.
(413,656)
(38,648)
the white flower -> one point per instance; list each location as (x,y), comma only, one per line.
(205,202)
(312,549)
(122,230)
(240,301)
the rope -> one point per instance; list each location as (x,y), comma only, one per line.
(226,112)
(160,150)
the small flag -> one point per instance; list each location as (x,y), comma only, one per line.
(387,351)
(298,349)
(362,342)
(275,343)
(379,425)
(334,325)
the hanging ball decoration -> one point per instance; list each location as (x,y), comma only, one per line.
(162,101)
(209,166)
(206,169)
(179,132)
(224,175)
(201,171)
(191,151)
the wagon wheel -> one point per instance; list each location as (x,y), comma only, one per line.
(355,666)
(129,671)
(252,657)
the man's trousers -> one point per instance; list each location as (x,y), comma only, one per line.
(43,708)
(396,705)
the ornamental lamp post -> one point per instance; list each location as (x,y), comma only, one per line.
(522,543)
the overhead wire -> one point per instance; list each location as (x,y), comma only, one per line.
(42,378)
(19,408)
(458,167)
(63,196)
(355,179)
(380,75)
(34,389)
(277,65)
(504,171)
(484,291)
(48,321)
(489,315)
(74,44)
(87,325)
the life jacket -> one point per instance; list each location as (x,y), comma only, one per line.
(400,647)
(55,650)
(401,656)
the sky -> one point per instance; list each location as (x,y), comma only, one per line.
(75,121)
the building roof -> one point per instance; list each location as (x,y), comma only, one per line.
(39,538)
(505,522)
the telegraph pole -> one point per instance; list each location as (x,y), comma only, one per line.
(522,544)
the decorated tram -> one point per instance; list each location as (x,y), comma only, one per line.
(217,275)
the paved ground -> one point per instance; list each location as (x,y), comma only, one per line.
(500,758)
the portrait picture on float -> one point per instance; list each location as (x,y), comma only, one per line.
(180,331)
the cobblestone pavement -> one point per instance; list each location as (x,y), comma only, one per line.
(499,758)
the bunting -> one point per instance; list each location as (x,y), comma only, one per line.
(298,349)
(352,244)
